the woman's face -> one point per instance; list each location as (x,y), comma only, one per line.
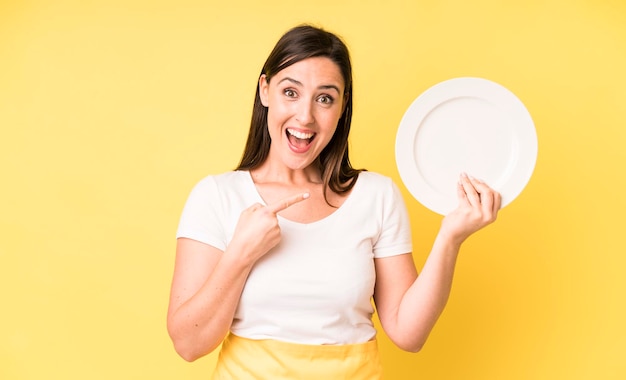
(305,102)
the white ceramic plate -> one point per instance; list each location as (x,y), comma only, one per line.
(469,125)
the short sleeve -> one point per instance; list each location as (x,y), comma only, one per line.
(202,217)
(395,236)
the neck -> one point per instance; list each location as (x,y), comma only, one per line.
(277,173)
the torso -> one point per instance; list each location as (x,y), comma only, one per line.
(315,286)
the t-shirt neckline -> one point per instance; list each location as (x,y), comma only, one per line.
(346,203)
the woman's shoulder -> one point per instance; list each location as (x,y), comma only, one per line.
(227,180)
(375,179)
(373,183)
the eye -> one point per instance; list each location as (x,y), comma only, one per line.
(290,93)
(326,99)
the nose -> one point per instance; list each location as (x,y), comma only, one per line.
(305,113)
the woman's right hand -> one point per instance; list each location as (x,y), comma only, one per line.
(257,230)
(208,282)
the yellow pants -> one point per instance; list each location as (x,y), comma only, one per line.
(242,358)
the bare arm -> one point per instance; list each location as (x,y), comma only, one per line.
(205,292)
(409,306)
(207,282)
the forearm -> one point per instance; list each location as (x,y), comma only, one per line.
(200,324)
(426,298)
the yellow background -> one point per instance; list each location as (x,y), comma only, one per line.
(110,111)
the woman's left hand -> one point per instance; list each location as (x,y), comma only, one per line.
(478,207)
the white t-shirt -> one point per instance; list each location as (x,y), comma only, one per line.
(316,285)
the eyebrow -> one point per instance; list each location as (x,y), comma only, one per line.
(322,87)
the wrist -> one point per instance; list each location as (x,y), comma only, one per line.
(238,257)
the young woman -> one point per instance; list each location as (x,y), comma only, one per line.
(279,260)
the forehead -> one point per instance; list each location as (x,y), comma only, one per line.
(316,71)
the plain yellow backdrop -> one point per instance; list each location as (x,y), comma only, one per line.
(110,111)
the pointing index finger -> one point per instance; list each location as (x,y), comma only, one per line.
(287,202)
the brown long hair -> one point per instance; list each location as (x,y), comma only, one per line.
(299,43)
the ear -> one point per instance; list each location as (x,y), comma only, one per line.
(263,89)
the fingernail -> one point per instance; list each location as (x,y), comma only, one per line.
(305,195)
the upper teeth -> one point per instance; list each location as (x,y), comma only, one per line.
(300,135)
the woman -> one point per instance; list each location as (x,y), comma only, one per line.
(279,259)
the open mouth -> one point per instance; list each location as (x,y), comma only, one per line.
(298,139)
